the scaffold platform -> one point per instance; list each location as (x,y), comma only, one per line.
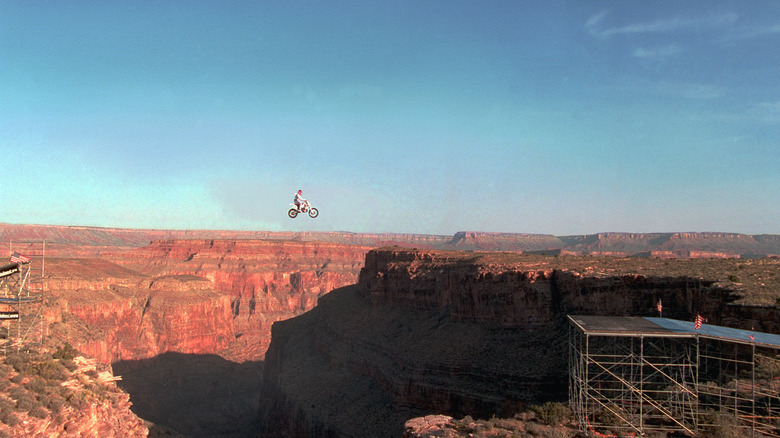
(22,299)
(638,375)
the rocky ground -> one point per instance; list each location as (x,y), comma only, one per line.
(63,395)
(754,281)
(525,424)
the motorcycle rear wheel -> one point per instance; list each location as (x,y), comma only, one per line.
(313,213)
(292,213)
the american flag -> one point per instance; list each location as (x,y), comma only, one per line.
(18,258)
(697,322)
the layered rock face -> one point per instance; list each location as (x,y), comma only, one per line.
(475,333)
(260,281)
(112,313)
(77,241)
(190,296)
(526,291)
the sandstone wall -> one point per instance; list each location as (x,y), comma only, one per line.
(536,292)
(263,280)
(190,296)
(112,313)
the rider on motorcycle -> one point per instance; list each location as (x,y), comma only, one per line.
(299,201)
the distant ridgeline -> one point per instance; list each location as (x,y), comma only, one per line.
(663,245)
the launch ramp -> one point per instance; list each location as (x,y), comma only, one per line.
(9,269)
(21,300)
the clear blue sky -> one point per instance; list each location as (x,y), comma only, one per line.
(436,116)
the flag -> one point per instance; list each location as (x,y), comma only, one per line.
(659,306)
(752,338)
(698,321)
(18,258)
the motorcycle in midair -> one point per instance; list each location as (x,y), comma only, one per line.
(305,208)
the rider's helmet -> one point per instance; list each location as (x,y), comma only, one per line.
(300,191)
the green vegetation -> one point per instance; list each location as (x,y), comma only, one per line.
(66,352)
(7,414)
(551,413)
(609,415)
(722,424)
(50,370)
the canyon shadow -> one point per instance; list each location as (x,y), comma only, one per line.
(194,395)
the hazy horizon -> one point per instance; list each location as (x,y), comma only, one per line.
(558,118)
(390,232)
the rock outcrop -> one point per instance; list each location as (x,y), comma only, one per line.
(81,402)
(478,334)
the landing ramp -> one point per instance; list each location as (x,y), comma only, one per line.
(9,269)
(635,326)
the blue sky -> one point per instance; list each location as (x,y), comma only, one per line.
(555,117)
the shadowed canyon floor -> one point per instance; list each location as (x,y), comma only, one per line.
(195,395)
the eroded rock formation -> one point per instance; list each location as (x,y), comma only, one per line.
(191,296)
(261,281)
(112,313)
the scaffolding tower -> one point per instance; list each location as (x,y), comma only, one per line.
(21,301)
(634,376)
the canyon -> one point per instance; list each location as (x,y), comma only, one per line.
(221,333)
(191,316)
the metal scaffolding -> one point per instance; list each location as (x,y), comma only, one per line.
(634,376)
(21,302)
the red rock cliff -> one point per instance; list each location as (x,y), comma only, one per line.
(191,296)
(112,313)
(516,290)
(263,280)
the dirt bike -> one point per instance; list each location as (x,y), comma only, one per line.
(305,208)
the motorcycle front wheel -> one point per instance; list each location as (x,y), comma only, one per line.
(292,213)
(313,212)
